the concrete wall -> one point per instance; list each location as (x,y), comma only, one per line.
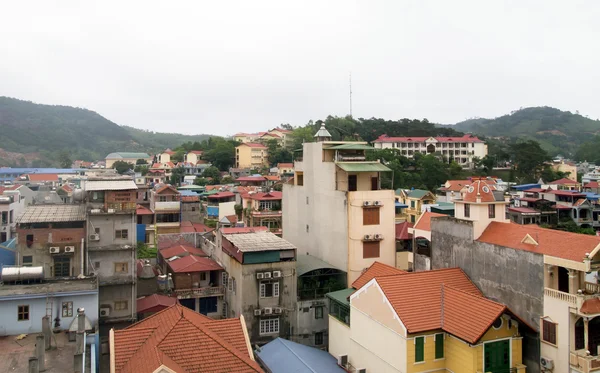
(509,276)
(307,325)
(558,311)
(108,224)
(315,216)
(226,209)
(190,211)
(37,309)
(339,338)
(357,231)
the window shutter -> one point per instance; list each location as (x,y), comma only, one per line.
(419,349)
(370,249)
(439,346)
(262,290)
(549,331)
(276,289)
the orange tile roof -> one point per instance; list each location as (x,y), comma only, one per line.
(285,165)
(590,306)
(172,338)
(154,302)
(231,218)
(193,263)
(455,185)
(180,250)
(272,177)
(479,189)
(42,177)
(559,244)
(564,181)
(424,222)
(375,270)
(416,296)
(141,210)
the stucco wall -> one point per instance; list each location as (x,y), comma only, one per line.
(339,338)
(307,325)
(558,311)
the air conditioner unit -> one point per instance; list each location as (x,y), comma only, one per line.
(268,311)
(69,249)
(366,203)
(547,363)
(104,312)
(257,312)
(276,274)
(278,310)
(367,237)
(111,211)
(267,274)
(342,360)
(377,203)
(94,237)
(260,275)
(379,236)
(54,250)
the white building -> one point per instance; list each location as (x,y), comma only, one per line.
(335,209)
(12,206)
(461,149)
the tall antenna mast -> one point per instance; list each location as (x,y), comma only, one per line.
(350,82)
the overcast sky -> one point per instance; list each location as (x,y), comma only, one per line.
(221,67)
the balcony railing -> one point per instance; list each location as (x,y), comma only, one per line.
(557,294)
(212,291)
(266,213)
(583,362)
(591,288)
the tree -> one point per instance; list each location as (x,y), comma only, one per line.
(222,155)
(433,172)
(277,154)
(141,162)
(64,159)
(122,166)
(177,175)
(141,169)
(213,173)
(529,158)
(178,156)
(200,181)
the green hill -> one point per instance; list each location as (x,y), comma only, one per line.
(46,130)
(559,132)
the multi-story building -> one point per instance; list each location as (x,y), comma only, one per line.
(165,202)
(158,168)
(111,232)
(251,155)
(335,209)
(456,330)
(12,206)
(545,276)
(263,210)
(126,157)
(220,204)
(415,201)
(569,168)
(460,149)
(165,156)
(281,135)
(190,206)
(260,268)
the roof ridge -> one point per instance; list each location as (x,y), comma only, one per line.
(295,354)
(138,347)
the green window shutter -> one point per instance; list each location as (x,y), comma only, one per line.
(419,349)
(439,346)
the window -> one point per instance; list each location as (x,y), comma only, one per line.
(162,198)
(370,216)
(147,238)
(549,331)
(352,183)
(120,305)
(27,261)
(29,240)
(224,279)
(265,205)
(202,276)
(498,323)
(97,230)
(23,313)
(299,178)
(67,309)
(370,249)
(419,349)
(230,284)
(121,267)
(439,346)
(467,210)
(269,326)
(319,312)
(307,228)
(121,233)
(491,211)
(412,204)
(96,265)
(318,338)
(269,289)
(62,266)
(224,310)
(234,285)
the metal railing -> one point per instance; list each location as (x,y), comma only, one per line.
(200,292)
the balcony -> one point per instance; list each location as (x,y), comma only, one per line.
(583,362)
(557,294)
(167,206)
(213,291)
(266,213)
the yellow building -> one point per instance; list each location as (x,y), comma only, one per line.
(251,155)
(568,168)
(415,199)
(432,321)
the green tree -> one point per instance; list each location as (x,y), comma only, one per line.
(277,154)
(213,173)
(221,153)
(529,158)
(178,156)
(122,166)
(200,181)
(177,175)
(64,159)
(434,173)
(141,162)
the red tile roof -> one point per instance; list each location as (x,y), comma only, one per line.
(180,250)
(269,196)
(189,227)
(154,303)
(42,177)
(535,190)
(530,199)
(254,145)
(272,177)
(285,165)
(199,152)
(251,178)
(221,195)
(562,207)
(591,184)
(560,244)
(455,185)
(424,222)
(190,198)
(523,210)
(402,231)
(243,230)
(172,338)
(479,189)
(590,306)
(564,181)
(193,263)
(465,138)
(141,210)
(376,269)
(566,193)
(231,218)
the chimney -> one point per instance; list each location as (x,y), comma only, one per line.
(79,342)
(33,365)
(40,352)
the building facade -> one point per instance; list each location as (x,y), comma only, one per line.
(251,155)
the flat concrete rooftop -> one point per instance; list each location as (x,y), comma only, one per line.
(49,287)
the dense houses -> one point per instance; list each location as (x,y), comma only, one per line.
(310,266)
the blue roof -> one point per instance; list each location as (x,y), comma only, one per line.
(10,244)
(283,356)
(20,171)
(398,204)
(591,196)
(526,186)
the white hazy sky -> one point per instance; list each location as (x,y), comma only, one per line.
(226,66)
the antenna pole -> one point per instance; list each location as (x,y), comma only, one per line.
(350,86)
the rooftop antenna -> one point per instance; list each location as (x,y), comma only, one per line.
(350,86)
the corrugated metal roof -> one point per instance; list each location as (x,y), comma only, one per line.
(123,184)
(282,356)
(53,213)
(341,296)
(307,263)
(258,241)
(362,167)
